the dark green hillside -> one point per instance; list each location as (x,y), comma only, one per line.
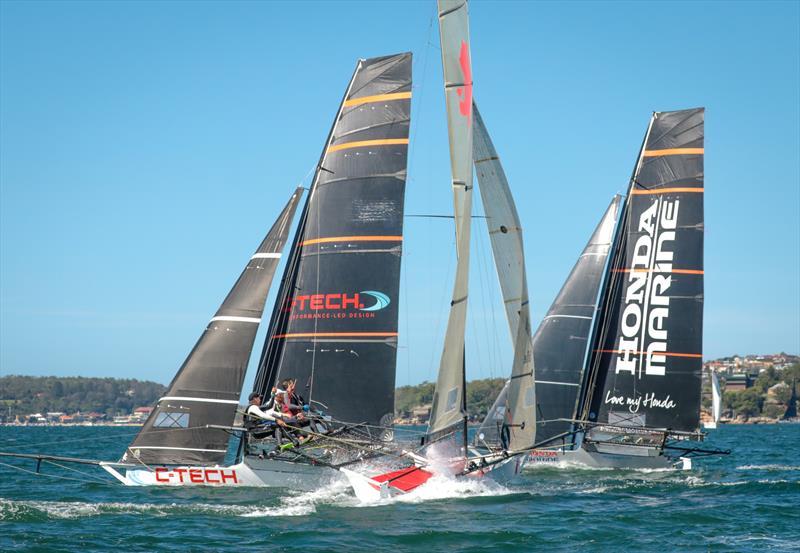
(21,395)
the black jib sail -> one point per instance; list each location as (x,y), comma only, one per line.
(560,342)
(646,362)
(334,327)
(207,387)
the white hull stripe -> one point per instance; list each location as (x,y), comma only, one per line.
(266,256)
(568,317)
(202,399)
(176,448)
(595,253)
(237,319)
(555,383)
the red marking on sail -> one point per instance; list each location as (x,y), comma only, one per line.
(465,105)
(405,479)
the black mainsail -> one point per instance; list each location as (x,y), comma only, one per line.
(335,323)
(561,340)
(646,362)
(206,389)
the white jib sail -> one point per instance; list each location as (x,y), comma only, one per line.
(505,233)
(716,397)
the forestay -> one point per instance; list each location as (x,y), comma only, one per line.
(647,358)
(206,388)
(334,327)
(449,400)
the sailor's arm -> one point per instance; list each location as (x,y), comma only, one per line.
(255,411)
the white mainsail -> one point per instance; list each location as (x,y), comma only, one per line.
(716,397)
(505,233)
(449,398)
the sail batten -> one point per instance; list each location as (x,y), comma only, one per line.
(206,388)
(335,324)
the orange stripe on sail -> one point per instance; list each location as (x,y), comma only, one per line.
(637,191)
(365,143)
(352,239)
(665,353)
(672,152)
(337,335)
(676,271)
(377,98)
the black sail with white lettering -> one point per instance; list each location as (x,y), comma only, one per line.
(560,342)
(335,324)
(647,357)
(206,388)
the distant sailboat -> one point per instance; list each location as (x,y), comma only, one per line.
(716,402)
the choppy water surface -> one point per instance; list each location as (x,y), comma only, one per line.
(748,501)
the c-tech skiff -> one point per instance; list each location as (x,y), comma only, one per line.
(334,325)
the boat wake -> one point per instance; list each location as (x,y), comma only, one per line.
(443,487)
(305,503)
(44,510)
(768,467)
(290,504)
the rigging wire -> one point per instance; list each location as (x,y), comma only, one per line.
(485,272)
(443,306)
(414,130)
(92,476)
(94,438)
(477,248)
(55,476)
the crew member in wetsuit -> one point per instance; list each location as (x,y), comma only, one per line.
(274,416)
(293,404)
(298,408)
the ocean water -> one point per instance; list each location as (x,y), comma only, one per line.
(747,501)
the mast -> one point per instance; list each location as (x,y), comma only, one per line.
(206,388)
(335,323)
(646,362)
(505,233)
(449,399)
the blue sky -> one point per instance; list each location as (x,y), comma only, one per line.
(145,148)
